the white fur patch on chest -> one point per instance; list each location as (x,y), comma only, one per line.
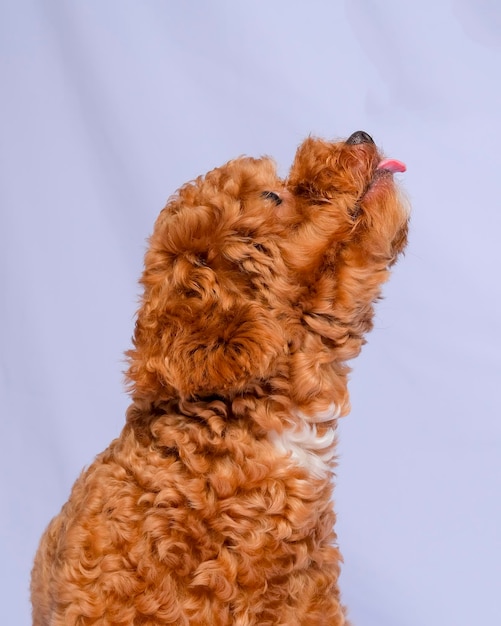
(305,446)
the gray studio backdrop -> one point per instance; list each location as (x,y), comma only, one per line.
(107,106)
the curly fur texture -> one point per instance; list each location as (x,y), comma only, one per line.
(214,505)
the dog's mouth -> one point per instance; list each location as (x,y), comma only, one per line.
(384,169)
(386,165)
(391,165)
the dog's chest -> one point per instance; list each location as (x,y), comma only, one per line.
(306,447)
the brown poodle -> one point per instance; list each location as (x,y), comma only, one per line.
(213,507)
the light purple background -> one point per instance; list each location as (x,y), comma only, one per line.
(108,106)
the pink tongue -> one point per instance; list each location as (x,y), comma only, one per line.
(392,165)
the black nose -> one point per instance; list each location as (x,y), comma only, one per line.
(359,137)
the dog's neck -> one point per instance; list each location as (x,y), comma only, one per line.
(308,439)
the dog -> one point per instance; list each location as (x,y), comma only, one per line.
(214,505)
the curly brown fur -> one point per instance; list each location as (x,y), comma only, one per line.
(213,507)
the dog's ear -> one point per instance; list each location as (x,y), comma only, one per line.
(198,331)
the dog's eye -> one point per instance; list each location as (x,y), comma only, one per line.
(271,195)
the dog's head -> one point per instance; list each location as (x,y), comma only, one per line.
(254,282)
